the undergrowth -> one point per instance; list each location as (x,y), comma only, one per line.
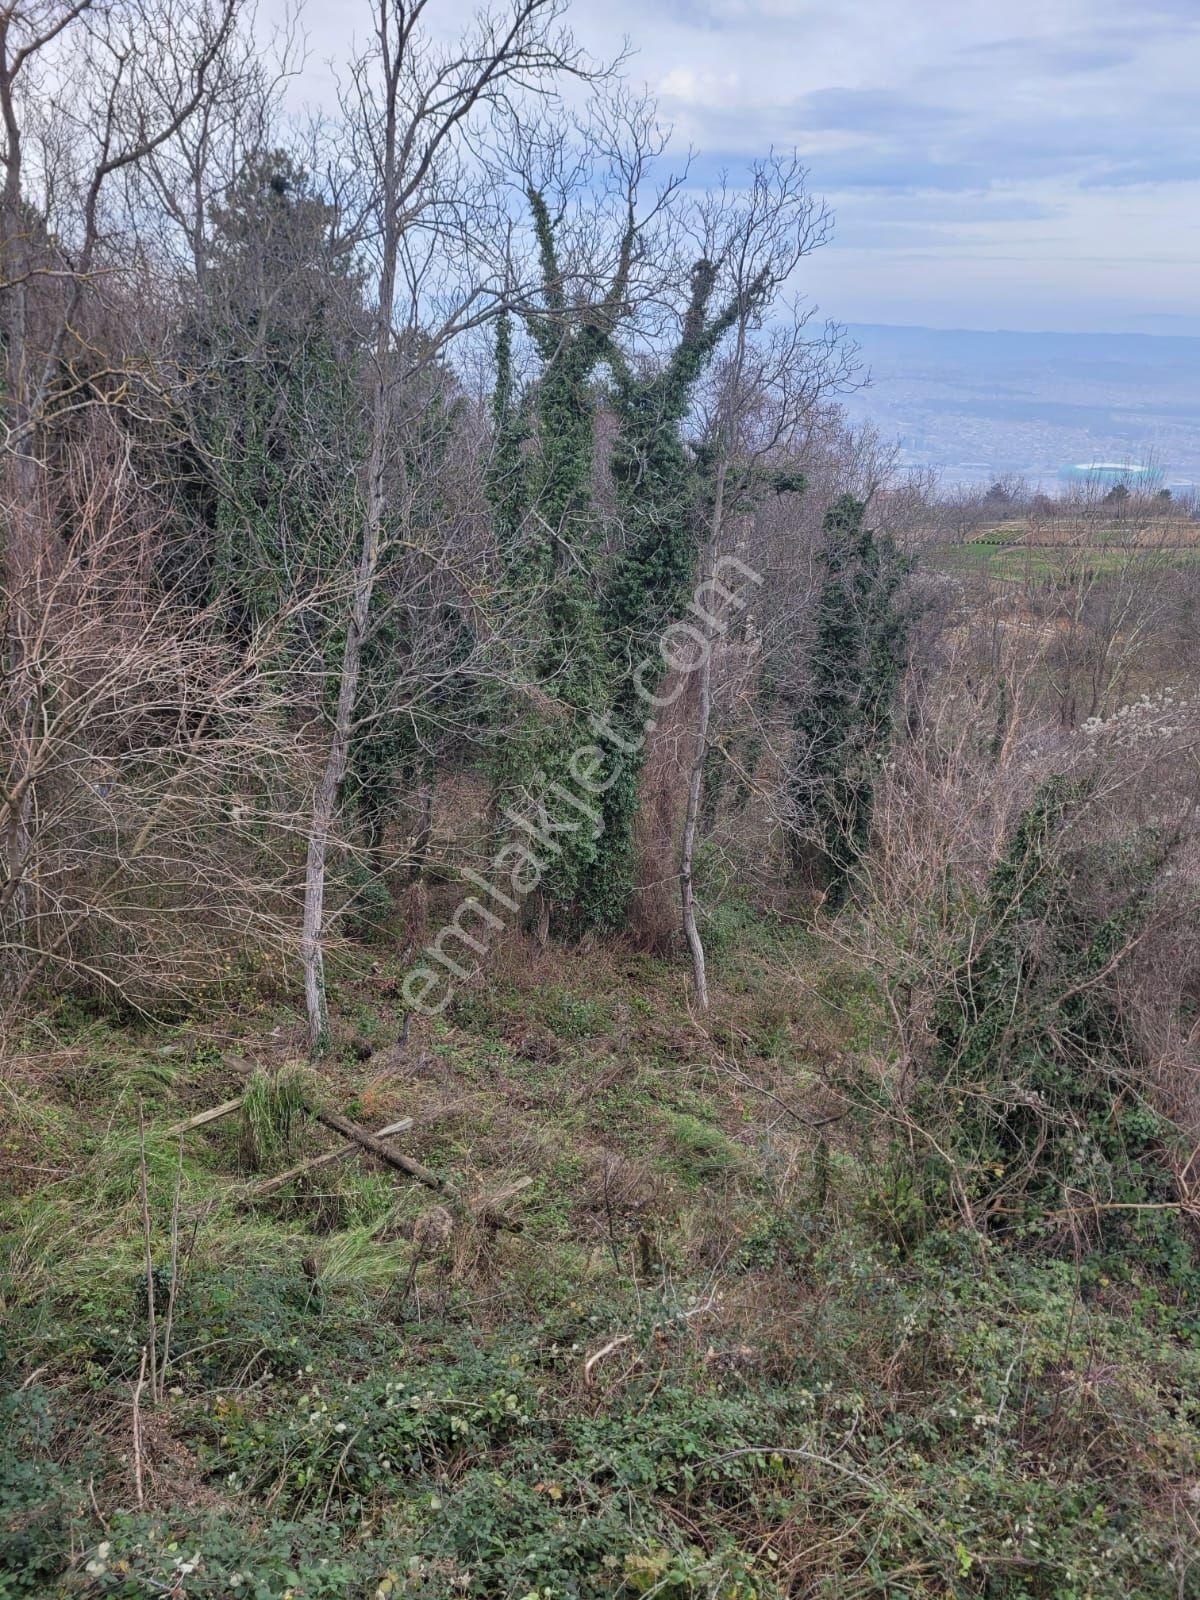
(712,1365)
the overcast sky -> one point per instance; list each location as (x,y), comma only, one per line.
(1030,164)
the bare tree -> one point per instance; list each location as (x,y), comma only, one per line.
(152,771)
(768,383)
(88,93)
(412,109)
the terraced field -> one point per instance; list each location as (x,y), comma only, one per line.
(1021,550)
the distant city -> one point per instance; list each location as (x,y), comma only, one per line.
(981,406)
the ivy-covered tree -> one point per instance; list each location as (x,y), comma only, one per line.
(563,532)
(272,369)
(660,478)
(610,586)
(844,722)
(507,478)
(281,408)
(541,486)
(658,472)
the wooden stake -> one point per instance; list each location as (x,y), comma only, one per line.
(173,1288)
(392,1158)
(484,1209)
(149,1260)
(414,1169)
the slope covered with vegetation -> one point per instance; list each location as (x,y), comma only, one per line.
(592,1003)
(724,1356)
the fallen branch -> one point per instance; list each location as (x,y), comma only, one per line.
(605,1350)
(325,1159)
(392,1158)
(620,1339)
(137,1433)
(483,1210)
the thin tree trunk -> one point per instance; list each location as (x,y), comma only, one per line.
(541,926)
(325,797)
(328,790)
(725,439)
(20,555)
(329,786)
(686,882)
(687,890)
(420,107)
(424,833)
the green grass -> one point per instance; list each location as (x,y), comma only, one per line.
(1059,563)
(711,1368)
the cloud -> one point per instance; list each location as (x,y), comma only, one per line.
(959,95)
(1039,154)
(874,110)
(1068,54)
(713,91)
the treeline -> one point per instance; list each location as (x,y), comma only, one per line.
(417,463)
(1136,506)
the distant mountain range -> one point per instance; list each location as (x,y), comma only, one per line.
(978,406)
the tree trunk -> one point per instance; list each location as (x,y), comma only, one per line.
(20,558)
(686,885)
(424,833)
(687,892)
(325,796)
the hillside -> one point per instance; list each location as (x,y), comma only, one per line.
(723,1357)
(599,990)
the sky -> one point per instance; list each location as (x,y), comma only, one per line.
(1024,164)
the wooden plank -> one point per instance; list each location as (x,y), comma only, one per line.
(484,1210)
(414,1169)
(325,1159)
(199,1120)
